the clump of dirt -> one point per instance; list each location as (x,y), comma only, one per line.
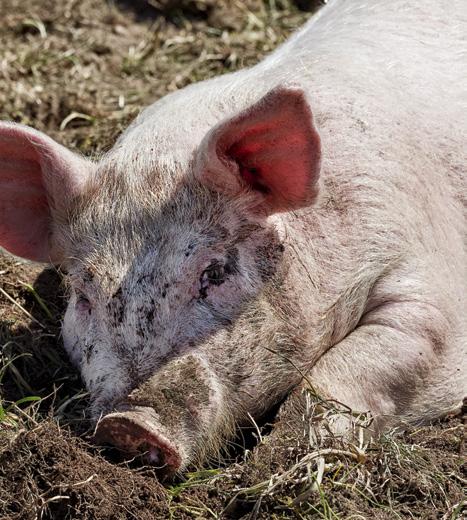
(47,473)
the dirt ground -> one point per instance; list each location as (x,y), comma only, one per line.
(81,70)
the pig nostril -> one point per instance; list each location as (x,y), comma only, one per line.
(153,456)
(150,454)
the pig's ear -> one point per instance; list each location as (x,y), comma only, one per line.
(272,148)
(37,179)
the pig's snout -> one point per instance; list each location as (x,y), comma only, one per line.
(173,419)
(137,432)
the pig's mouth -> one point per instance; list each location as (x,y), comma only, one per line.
(136,433)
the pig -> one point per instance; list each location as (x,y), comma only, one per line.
(303,218)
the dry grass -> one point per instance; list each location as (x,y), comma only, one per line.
(310,475)
(80,70)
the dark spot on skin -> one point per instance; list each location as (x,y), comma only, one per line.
(88,276)
(403,386)
(437,340)
(222,233)
(217,234)
(150,316)
(404,390)
(144,277)
(164,290)
(116,307)
(88,350)
(119,313)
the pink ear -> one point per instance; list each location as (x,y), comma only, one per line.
(271,147)
(37,179)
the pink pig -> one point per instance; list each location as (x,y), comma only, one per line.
(307,215)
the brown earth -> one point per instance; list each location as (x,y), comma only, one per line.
(81,70)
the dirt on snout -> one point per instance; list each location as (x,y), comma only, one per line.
(80,70)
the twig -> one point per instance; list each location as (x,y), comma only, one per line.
(260,437)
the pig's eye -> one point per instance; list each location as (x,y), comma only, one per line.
(214,274)
(83,305)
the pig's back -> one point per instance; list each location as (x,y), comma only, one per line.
(418,46)
(385,81)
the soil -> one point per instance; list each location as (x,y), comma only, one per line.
(81,70)
(49,473)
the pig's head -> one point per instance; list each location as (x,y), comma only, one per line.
(179,316)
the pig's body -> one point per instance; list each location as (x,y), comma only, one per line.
(385,250)
(362,283)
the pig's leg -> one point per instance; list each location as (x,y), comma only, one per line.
(398,364)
